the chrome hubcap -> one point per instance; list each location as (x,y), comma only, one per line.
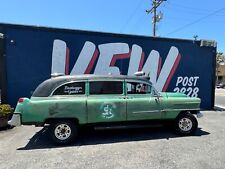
(62,132)
(185,124)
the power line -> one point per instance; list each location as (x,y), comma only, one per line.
(190,11)
(188,19)
(131,16)
(186,7)
(140,22)
(196,21)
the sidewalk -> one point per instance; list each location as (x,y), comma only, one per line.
(219,99)
(219,108)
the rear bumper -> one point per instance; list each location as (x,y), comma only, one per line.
(15,120)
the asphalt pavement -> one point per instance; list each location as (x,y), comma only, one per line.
(28,147)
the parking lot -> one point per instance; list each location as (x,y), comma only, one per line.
(29,147)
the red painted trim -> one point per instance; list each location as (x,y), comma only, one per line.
(141,61)
(92,62)
(172,72)
(118,57)
(159,66)
(67,61)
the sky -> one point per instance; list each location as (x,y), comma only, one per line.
(181,19)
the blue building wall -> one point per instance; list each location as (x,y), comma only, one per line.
(29,53)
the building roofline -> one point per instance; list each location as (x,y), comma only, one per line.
(81,31)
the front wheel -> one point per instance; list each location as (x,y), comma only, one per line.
(63,131)
(186,124)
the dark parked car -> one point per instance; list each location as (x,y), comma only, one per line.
(220,85)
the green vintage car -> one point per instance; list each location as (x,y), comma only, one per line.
(69,102)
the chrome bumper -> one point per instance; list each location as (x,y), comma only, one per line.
(15,120)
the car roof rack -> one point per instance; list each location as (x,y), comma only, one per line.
(142,75)
(56,75)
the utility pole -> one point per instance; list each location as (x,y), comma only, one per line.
(195,37)
(156,17)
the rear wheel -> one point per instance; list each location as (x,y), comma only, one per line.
(186,124)
(63,131)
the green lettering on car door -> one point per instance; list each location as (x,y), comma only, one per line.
(106,102)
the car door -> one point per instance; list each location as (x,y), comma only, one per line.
(106,101)
(68,101)
(142,101)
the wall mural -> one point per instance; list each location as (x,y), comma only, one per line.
(173,65)
(107,55)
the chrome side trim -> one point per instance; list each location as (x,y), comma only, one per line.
(179,109)
(151,111)
(176,104)
(156,111)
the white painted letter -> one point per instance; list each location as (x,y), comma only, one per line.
(179,80)
(167,68)
(58,57)
(84,58)
(151,66)
(106,53)
(135,58)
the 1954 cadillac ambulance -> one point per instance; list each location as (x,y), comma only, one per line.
(68,102)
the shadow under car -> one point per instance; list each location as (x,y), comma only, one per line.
(88,136)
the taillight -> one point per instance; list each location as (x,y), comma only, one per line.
(20,100)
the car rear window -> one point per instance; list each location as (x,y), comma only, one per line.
(74,88)
(106,87)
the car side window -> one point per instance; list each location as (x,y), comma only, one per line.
(106,87)
(75,88)
(138,88)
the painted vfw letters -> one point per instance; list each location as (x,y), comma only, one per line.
(107,55)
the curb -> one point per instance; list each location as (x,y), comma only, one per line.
(219,108)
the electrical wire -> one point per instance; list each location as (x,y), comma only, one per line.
(196,21)
(190,11)
(140,22)
(172,4)
(131,16)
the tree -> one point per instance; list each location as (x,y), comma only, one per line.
(220,59)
